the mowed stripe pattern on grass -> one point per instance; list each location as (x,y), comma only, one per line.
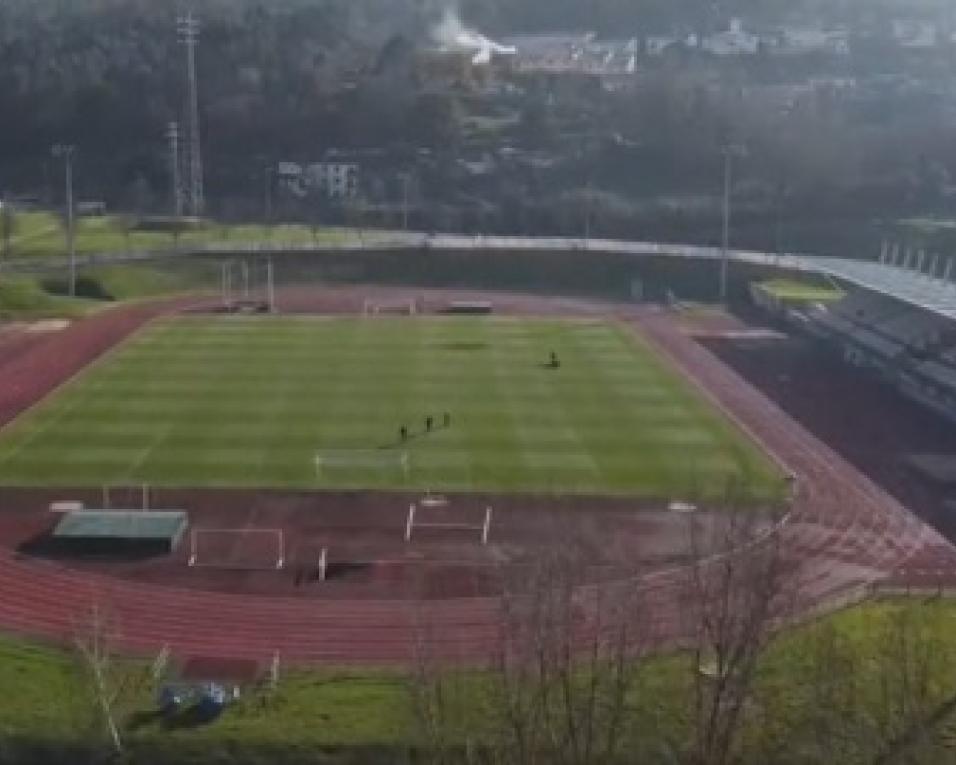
(249,401)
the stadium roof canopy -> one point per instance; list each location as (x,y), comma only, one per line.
(918,289)
(909,285)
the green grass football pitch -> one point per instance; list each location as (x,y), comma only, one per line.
(251,401)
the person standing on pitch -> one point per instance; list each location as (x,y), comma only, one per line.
(429,421)
(446,420)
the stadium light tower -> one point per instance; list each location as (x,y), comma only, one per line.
(730,152)
(66,152)
(188,26)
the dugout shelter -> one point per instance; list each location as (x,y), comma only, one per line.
(118,532)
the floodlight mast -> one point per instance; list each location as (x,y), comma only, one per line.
(188,26)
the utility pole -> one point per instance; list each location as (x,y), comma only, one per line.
(405,181)
(268,172)
(729,153)
(188,26)
(66,152)
(587,214)
(7,222)
(271,279)
(172,133)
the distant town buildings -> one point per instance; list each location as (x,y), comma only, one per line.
(336,178)
(574,53)
(735,41)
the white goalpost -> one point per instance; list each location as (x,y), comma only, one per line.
(329,463)
(249,285)
(125,497)
(237,548)
(371,307)
(413,521)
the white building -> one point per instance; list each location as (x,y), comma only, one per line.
(734,42)
(802,41)
(338,180)
(915,34)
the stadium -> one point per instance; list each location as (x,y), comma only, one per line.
(340,457)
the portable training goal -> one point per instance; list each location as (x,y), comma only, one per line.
(344,462)
(416,519)
(248,286)
(237,548)
(125,497)
(372,307)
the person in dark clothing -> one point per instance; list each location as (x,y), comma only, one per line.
(403,433)
(429,421)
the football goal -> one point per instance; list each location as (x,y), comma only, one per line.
(123,497)
(330,464)
(249,549)
(372,307)
(419,519)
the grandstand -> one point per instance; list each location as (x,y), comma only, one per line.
(897,321)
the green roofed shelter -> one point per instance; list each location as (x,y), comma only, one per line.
(105,531)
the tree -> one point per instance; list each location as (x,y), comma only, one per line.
(559,679)
(435,120)
(111,683)
(741,585)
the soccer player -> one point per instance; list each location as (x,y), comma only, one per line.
(429,421)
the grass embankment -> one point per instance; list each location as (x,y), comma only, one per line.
(795,291)
(32,297)
(23,297)
(251,401)
(40,234)
(836,690)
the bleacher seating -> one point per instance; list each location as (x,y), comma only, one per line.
(914,349)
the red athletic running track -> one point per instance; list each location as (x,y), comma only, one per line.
(849,532)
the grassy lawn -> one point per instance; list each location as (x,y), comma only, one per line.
(794,291)
(249,401)
(41,234)
(824,692)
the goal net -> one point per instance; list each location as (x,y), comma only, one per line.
(393,307)
(423,518)
(237,548)
(347,463)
